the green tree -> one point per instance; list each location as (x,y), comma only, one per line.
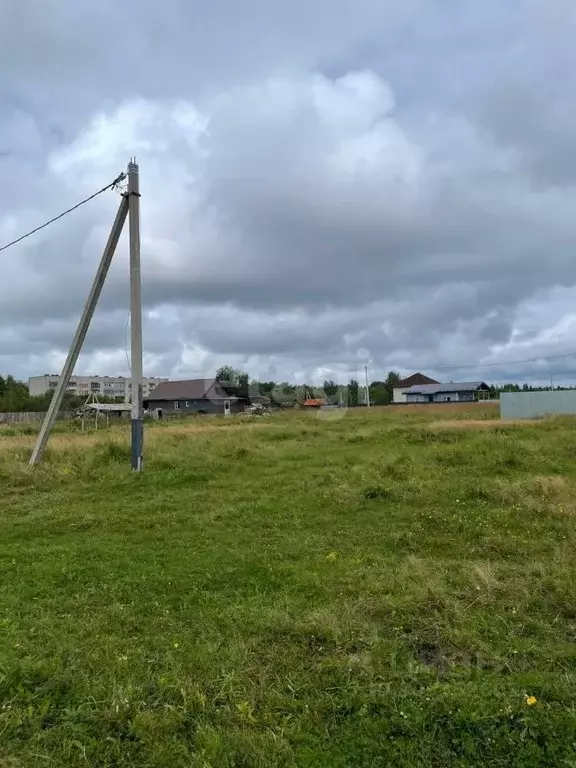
(283,394)
(227,374)
(330,388)
(302,392)
(235,382)
(392,381)
(266,387)
(353,389)
(15,395)
(379,393)
(243,385)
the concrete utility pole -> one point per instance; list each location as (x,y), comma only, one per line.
(367,387)
(135,316)
(80,335)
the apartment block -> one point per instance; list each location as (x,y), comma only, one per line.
(104,386)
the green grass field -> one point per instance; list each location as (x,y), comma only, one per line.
(393,588)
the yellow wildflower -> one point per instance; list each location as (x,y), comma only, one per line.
(531,700)
(331,556)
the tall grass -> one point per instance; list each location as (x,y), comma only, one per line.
(297,591)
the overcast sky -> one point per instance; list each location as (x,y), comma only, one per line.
(324,184)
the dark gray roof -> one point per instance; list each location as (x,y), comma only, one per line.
(415,379)
(189,389)
(435,389)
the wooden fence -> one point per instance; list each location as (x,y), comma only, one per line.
(23,417)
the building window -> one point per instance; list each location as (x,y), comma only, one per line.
(176,406)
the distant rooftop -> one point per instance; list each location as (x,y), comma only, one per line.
(416,378)
(190,389)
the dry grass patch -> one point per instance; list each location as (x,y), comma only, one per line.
(478,424)
(432,410)
(121,434)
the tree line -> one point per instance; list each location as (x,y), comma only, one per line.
(14,395)
(353,393)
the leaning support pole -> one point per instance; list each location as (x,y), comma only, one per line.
(135,317)
(80,335)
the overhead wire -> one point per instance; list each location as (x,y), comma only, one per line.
(503,363)
(112,185)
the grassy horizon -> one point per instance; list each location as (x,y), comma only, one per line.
(390,588)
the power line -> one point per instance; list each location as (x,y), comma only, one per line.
(503,363)
(112,184)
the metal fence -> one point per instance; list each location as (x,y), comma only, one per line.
(531,405)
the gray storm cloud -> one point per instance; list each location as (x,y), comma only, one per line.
(313,183)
